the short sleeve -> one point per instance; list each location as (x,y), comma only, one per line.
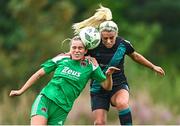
(49,66)
(129,47)
(52,64)
(98,75)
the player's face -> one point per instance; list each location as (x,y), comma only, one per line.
(108,38)
(77,50)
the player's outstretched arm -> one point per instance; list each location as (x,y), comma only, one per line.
(29,83)
(108,83)
(142,60)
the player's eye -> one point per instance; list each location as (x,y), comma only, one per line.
(80,48)
(111,38)
(73,47)
(105,38)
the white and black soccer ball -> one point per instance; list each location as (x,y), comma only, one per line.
(90,36)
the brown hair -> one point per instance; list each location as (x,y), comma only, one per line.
(77,37)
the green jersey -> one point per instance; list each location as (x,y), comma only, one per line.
(70,78)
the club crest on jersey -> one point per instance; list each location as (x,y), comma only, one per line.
(83,63)
(44,109)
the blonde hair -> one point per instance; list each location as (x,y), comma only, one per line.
(102,14)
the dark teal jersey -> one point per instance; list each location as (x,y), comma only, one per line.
(112,57)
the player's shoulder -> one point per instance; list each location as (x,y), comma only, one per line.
(61,57)
(123,41)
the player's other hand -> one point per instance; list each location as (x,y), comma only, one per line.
(111,70)
(15,93)
(159,70)
(92,60)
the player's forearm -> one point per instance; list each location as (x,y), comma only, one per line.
(32,80)
(107,84)
(142,60)
(146,62)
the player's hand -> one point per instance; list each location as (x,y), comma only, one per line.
(15,93)
(88,58)
(111,70)
(92,60)
(159,70)
(67,54)
(64,54)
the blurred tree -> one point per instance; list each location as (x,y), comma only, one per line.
(166,14)
(32,29)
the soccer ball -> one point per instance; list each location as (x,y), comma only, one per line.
(90,36)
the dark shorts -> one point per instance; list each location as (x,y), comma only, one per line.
(102,99)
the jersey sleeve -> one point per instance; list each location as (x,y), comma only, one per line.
(49,66)
(52,64)
(98,74)
(129,47)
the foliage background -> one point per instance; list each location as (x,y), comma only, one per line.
(32,31)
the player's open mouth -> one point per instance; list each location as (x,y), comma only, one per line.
(77,55)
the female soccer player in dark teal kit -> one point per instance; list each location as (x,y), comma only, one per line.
(111,52)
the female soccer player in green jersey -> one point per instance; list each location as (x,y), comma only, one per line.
(71,74)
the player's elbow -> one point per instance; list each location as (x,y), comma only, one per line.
(136,56)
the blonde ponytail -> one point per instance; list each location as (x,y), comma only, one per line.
(102,14)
